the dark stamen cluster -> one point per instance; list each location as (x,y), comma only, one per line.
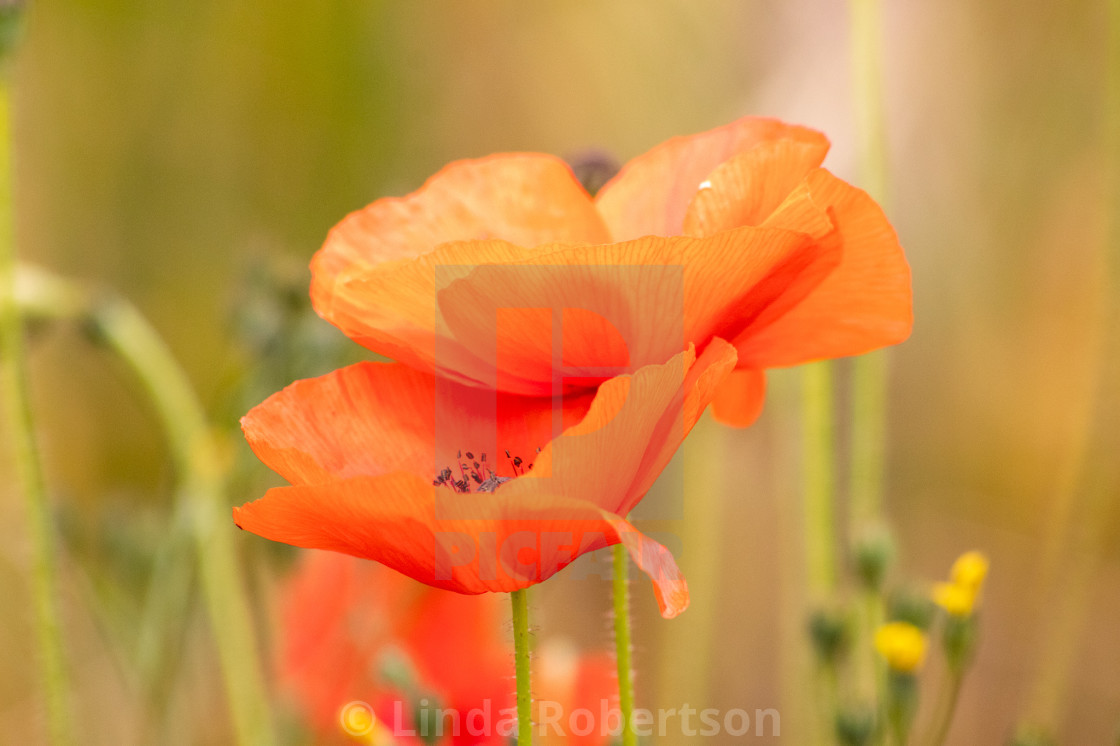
(477,471)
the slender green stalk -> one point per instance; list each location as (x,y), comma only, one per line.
(868,436)
(200,513)
(29,471)
(869,372)
(818,497)
(867,68)
(947,709)
(623,643)
(520,602)
(902,704)
(196,453)
(819,480)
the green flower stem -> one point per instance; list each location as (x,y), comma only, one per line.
(819,480)
(902,703)
(201,511)
(623,643)
(869,372)
(867,68)
(818,508)
(29,471)
(948,708)
(520,602)
(869,427)
(875,613)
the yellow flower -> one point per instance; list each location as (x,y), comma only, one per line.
(958,597)
(957,600)
(969,570)
(902,645)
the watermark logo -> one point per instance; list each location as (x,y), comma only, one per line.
(358,719)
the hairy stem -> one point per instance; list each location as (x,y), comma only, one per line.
(520,601)
(622,643)
(819,480)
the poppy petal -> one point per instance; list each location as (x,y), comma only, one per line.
(739,399)
(514,543)
(669,586)
(863,305)
(524,198)
(633,428)
(391,308)
(657,294)
(375,418)
(651,194)
(748,188)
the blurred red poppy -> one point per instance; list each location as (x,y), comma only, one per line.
(367,654)
(734,233)
(444,482)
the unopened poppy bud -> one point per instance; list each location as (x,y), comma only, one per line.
(593,169)
(855,726)
(830,634)
(902,645)
(873,554)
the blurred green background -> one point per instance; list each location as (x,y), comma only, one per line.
(193,156)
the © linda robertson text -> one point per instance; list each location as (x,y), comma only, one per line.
(358,719)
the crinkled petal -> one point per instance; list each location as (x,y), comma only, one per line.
(514,543)
(376,418)
(864,304)
(525,199)
(651,194)
(573,315)
(747,188)
(634,426)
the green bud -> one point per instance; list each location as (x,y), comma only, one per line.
(11,26)
(855,725)
(873,554)
(914,608)
(828,629)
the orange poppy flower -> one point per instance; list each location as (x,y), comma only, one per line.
(444,482)
(364,650)
(354,633)
(504,273)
